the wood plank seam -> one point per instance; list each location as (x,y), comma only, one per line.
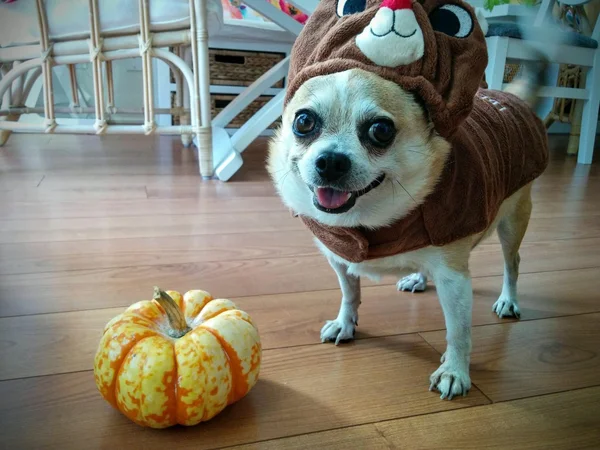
(274,294)
(368,338)
(375,424)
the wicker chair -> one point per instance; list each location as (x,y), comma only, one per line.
(22,65)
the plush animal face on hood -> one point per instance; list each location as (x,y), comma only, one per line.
(433,48)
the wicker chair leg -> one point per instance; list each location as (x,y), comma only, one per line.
(5,134)
(182,96)
(201,94)
(186,139)
(205,159)
(575,134)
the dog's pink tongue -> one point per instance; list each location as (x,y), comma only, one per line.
(330,198)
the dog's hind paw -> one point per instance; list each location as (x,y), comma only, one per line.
(506,307)
(417,282)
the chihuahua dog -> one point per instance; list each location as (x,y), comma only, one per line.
(358,151)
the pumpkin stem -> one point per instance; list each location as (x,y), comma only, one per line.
(174,314)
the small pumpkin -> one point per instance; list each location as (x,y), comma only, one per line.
(177,359)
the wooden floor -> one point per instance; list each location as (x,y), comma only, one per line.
(89,225)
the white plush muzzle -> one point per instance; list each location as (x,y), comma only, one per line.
(393,38)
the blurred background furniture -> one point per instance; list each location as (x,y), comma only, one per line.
(505,47)
(44,44)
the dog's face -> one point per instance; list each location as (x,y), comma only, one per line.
(355,150)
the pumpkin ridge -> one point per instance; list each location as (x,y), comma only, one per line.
(147,416)
(154,320)
(109,392)
(131,313)
(175,383)
(242,315)
(147,309)
(210,311)
(200,365)
(124,319)
(212,316)
(118,374)
(189,300)
(237,377)
(153,369)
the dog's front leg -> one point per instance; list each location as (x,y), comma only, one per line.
(342,328)
(456,297)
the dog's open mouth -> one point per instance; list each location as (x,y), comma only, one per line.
(334,201)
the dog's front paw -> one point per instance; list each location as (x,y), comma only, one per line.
(339,330)
(417,282)
(450,380)
(506,307)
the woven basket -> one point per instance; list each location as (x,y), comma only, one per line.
(510,72)
(220,101)
(240,68)
(175,120)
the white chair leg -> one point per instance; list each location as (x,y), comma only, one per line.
(275,15)
(186,54)
(258,123)
(230,149)
(543,12)
(589,122)
(251,93)
(497,51)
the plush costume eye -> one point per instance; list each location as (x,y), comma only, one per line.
(452,20)
(346,7)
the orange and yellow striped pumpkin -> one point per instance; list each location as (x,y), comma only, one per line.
(177,359)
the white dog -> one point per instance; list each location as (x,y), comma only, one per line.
(356,151)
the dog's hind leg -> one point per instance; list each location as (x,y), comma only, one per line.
(511,230)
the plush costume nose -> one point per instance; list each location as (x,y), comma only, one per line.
(395,5)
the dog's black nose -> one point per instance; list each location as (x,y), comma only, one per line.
(331,166)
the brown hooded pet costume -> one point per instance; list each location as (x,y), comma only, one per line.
(436,50)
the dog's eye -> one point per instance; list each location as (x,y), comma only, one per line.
(305,123)
(347,7)
(382,132)
(452,20)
